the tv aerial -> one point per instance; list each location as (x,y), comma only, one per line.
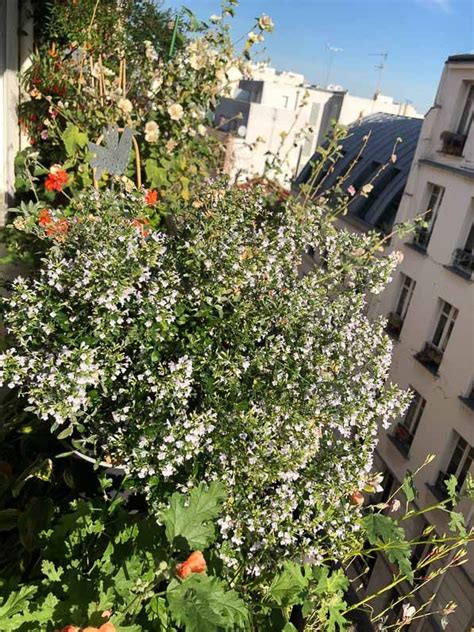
(332,51)
(380,67)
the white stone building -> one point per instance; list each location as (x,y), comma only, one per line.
(430,306)
(280,113)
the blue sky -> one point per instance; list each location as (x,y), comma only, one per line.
(417,34)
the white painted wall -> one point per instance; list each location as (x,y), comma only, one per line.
(445,414)
(287,104)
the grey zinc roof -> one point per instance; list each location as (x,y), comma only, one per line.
(379,209)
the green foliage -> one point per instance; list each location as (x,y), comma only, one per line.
(192,518)
(289,585)
(73,139)
(201,604)
(384,533)
(99,557)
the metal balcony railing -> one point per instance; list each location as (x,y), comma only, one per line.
(453,144)
(403,438)
(394,324)
(464,260)
(430,356)
(421,237)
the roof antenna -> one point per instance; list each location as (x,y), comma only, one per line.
(332,50)
(380,67)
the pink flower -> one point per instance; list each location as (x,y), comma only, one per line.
(351,190)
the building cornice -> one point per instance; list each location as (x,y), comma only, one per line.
(466,173)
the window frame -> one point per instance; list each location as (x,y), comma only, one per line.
(463,466)
(442,333)
(405,295)
(467,114)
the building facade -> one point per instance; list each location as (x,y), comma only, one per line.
(430,308)
(280,113)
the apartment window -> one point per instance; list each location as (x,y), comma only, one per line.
(467,115)
(435,199)
(468,398)
(397,317)
(460,463)
(463,259)
(406,429)
(432,353)
(444,328)
(458,466)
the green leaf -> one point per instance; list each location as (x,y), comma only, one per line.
(41,468)
(409,488)
(8,519)
(287,586)
(52,573)
(73,139)
(33,520)
(157,176)
(451,487)
(335,617)
(201,604)
(16,602)
(457,523)
(385,533)
(330,583)
(190,520)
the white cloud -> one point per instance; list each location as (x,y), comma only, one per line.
(445,6)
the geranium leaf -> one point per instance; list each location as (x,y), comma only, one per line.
(287,586)
(191,520)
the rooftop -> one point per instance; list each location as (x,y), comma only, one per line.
(379,209)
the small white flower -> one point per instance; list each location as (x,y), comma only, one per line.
(265,22)
(215,18)
(125,105)
(176,111)
(152,132)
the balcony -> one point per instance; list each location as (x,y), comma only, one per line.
(439,488)
(463,262)
(430,357)
(421,239)
(402,438)
(468,399)
(453,144)
(394,325)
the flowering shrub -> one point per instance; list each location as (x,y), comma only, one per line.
(205,355)
(132,65)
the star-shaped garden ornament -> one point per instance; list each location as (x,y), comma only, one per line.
(112,156)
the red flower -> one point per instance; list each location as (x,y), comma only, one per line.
(194,564)
(151,197)
(141,226)
(45,217)
(57,178)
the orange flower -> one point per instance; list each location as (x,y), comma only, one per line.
(194,564)
(141,226)
(58,228)
(105,627)
(151,197)
(70,628)
(45,217)
(57,178)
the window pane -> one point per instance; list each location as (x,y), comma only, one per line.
(457,457)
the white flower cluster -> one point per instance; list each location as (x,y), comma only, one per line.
(207,356)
